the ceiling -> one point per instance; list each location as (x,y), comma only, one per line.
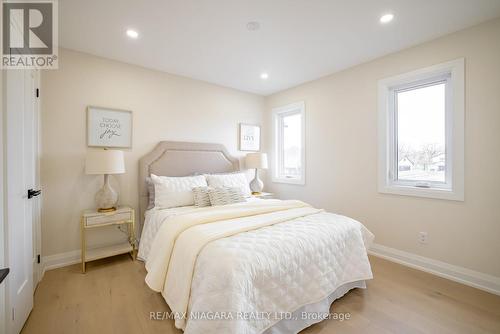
(298,40)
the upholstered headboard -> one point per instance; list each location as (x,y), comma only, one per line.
(170,158)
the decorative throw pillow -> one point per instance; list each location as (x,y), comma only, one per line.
(151,193)
(171,192)
(225,195)
(201,197)
(232,180)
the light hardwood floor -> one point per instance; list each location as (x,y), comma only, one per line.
(113,298)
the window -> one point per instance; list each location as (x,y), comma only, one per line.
(420,114)
(289,144)
(422,132)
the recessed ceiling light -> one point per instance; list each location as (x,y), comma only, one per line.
(253,25)
(264,76)
(386,18)
(132,33)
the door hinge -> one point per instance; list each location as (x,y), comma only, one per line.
(13,317)
(38,258)
(37,92)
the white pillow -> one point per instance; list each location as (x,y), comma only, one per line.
(171,192)
(231,180)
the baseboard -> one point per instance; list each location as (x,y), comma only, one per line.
(64,259)
(458,274)
(60,260)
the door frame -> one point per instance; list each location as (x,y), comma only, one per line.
(3,235)
(3,210)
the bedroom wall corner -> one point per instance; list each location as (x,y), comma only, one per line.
(164,106)
(341,153)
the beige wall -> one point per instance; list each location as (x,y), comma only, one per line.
(165,107)
(341,153)
(341,127)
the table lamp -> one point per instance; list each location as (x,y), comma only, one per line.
(258,161)
(105,162)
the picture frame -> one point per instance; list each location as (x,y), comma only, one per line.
(249,137)
(108,127)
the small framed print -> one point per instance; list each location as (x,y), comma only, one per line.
(109,127)
(249,137)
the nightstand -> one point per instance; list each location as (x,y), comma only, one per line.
(263,195)
(92,219)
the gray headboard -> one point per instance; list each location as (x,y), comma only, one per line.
(171,158)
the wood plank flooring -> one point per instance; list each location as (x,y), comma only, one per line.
(113,298)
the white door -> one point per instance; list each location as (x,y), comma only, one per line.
(21,152)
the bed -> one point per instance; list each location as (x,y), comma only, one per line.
(261,266)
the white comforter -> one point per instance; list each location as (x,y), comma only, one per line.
(249,264)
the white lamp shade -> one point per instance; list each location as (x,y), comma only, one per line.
(104,162)
(256,160)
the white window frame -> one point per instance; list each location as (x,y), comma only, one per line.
(278,114)
(452,73)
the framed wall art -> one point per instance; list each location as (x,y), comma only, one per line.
(249,137)
(109,127)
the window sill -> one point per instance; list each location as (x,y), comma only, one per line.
(289,181)
(436,193)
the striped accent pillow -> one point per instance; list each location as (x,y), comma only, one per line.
(201,197)
(226,195)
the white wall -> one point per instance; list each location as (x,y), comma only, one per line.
(341,153)
(165,107)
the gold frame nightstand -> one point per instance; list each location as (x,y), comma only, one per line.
(92,219)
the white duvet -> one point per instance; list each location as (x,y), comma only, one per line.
(241,268)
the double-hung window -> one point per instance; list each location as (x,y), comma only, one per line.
(289,144)
(421,134)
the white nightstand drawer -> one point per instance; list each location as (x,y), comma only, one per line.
(264,195)
(107,219)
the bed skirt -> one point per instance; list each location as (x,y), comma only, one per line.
(314,312)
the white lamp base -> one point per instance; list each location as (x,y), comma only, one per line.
(256,185)
(107,197)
